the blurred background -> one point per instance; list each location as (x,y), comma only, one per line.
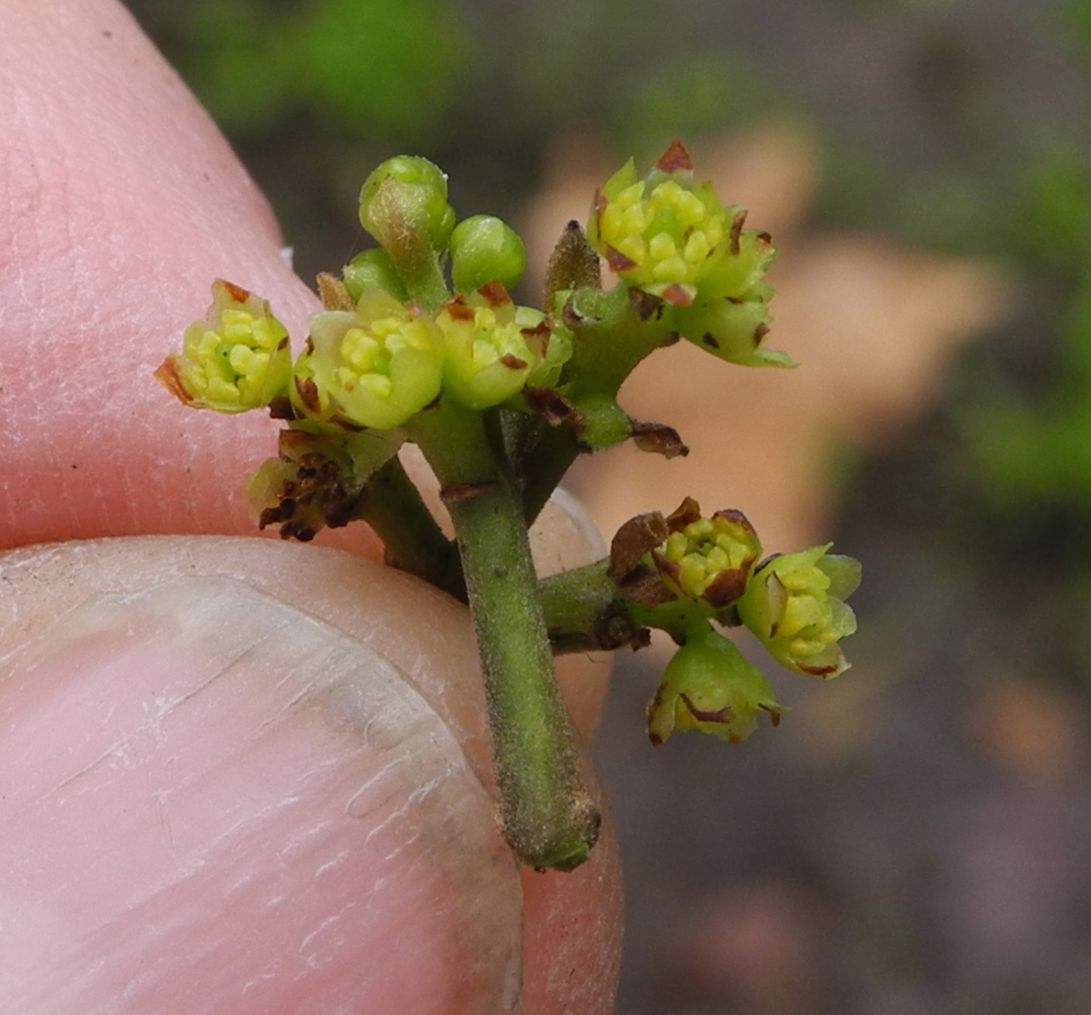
(914,838)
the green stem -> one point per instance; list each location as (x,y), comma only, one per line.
(549,817)
(610,339)
(585,612)
(545,466)
(420,270)
(414,542)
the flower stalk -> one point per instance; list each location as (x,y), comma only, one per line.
(549,818)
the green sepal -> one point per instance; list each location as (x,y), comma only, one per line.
(710,687)
(731,330)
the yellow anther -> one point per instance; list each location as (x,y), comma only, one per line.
(697,247)
(661,247)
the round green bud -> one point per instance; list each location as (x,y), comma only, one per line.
(407,191)
(485,249)
(373,269)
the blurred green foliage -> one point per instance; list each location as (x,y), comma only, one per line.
(388,67)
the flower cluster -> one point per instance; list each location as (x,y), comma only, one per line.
(673,239)
(420,340)
(794,603)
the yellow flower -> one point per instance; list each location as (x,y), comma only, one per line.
(374,367)
(795,605)
(236,359)
(708,559)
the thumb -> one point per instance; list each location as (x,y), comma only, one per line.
(217,799)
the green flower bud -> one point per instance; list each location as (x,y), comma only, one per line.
(373,269)
(491,348)
(707,559)
(407,193)
(373,368)
(236,359)
(795,605)
(708,686)
(485,249)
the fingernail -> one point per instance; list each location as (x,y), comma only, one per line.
(213,800)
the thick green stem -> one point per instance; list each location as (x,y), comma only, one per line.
(584,611)
(414,542)
(550,820)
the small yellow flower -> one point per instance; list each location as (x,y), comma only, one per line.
(708,559)
(795,605)
(663,234)
(375,367)
(236,359)
(492,348)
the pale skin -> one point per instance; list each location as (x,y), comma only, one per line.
(234,775)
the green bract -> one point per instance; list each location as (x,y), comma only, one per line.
(407,192)
(485,249)
(374,368)
(236,359)
(489,352)
(708,559)
(795,605)
(731,329)
(708,686)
